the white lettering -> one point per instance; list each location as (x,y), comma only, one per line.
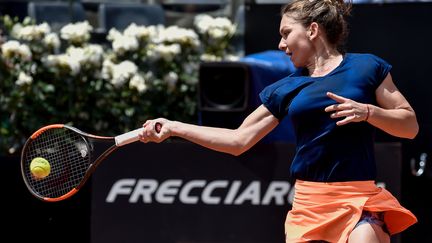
(277,190)
(206,196)
(185,196)
(144,188)
(167,191)
(123,186)
(235,186)
(209,192)
(252,193)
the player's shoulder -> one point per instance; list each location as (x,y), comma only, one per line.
(284,87)
(364,57)
(285,83)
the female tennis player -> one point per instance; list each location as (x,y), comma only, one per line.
(335,100)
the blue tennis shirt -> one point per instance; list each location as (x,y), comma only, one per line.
(326,152)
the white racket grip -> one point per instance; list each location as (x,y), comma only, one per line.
(127,138)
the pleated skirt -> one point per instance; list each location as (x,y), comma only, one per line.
(330,211)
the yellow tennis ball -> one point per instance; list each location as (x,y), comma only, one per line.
(40,167)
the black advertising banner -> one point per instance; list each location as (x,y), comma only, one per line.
(178,192)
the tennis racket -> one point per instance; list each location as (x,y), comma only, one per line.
(72,158)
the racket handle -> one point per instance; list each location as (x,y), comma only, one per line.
(132,136)
(127,138)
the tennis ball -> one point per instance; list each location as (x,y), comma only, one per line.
(40,167)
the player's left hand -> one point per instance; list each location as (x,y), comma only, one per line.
(351,111)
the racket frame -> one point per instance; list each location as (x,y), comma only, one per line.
(89,170)
(118,141)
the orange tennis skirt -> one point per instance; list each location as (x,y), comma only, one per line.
(329,211)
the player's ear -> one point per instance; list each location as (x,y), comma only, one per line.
(313,30)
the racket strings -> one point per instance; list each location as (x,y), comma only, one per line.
(69,157)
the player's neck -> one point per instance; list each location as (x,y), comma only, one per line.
(325,63)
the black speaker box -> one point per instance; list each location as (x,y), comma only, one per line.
(224,89)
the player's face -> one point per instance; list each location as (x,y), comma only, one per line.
(295,41)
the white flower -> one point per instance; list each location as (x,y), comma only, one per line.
(63,61)
(165,52)
(77,54)
(32,32)
(91,54)
(175,34)
(76,57)
(190,68)
(203,22)
(113,34)
(137,82)
(154,31)
(217,33)
(52,40)
(94,53)
(149,75)
(16,29)
(171,78)
(33,68)
(123,43)
(13,48)
(217,28)
(139,32)
(77,32)
(107,67)
(210,58)
(23,79)
(224,24)
(122,72)
(71,62)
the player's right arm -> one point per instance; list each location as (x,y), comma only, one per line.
(233,141)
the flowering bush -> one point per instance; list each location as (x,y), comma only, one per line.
(141,72)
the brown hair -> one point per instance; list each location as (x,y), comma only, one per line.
(329,14)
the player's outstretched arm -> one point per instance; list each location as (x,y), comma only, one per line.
(232,141)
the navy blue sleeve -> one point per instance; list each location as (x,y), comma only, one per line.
(382,69)
(278,96)
(271,100)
